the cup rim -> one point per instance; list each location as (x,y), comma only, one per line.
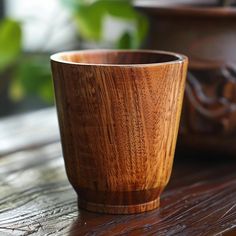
(180,58)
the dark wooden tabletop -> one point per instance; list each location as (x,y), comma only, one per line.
(36,198)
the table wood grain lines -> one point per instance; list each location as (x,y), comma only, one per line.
(37,199)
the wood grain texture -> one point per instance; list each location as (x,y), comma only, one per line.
(209,111)
(206,33)
(199,29)
(37,200)
(119,115)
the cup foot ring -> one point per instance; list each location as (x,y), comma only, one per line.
(119,209)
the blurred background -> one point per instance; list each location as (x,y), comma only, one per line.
(35,198)
(204,30)
(31,30)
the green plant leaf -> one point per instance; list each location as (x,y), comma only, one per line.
(33,77)
(125,41)
(89,20)
(10,42)
(89,17)
(120,9)
(142,27)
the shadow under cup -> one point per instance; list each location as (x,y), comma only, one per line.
(119,115)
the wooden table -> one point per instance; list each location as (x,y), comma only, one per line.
(36,198)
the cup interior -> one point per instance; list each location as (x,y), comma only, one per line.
(115,57)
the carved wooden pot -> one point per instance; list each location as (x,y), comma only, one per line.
(119,115)
(207,35)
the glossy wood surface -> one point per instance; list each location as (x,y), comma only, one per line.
(206,33)
(119,115)
(36,198)
(200,29)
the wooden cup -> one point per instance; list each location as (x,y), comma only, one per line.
(119,113)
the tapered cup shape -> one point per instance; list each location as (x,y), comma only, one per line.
(119,113)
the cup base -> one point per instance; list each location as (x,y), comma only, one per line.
(119,209)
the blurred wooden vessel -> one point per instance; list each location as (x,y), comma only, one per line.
(206,33)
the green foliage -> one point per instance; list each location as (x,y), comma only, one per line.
(89,21)
(10,42)
(33,77)
(125,41)
(142,24)
(89,17)
(32,73)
